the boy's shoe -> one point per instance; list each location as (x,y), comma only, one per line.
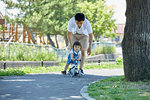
(81,71)
(63,72)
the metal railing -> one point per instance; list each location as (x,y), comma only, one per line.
(13,48)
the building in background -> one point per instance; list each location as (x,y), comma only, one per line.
(119,9)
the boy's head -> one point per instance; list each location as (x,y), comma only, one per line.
(79,18)
(77,46)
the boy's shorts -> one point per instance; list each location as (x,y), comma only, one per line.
(83,39)
(69,61)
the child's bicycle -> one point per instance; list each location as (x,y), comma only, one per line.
(73,71)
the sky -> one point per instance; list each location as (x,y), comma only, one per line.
(3,9)
(119,8)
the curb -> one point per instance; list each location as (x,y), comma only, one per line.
(84,93)
(84,90)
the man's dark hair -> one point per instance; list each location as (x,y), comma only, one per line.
(77,43)
(79,17)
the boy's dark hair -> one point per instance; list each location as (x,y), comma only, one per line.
(77,43)
(79,17)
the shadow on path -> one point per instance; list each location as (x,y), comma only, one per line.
(52,86)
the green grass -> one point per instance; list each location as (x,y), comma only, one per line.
(116,88)
(103,66)
(28,70)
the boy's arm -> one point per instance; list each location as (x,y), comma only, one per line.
(79,58)
(72,57)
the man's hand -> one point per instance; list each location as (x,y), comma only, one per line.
(71,47)
(89,51)
(90,43)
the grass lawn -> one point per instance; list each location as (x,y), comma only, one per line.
(28,70)
(116,88)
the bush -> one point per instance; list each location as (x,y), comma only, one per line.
(26,53)
(103,50)
(119,61)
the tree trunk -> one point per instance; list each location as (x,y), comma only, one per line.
(50,40)
(56,41)
(66,40)
(136,42)
(44,41)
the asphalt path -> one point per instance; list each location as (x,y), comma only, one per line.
(50,86)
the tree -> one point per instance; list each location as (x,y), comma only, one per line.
(1,28)
(136,42)
(51,17)
(47,17)
(100,17)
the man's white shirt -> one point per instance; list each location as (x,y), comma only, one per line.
(84,29)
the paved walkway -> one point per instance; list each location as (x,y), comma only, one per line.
(51,86)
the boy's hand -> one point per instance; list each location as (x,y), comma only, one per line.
(73,59)
(79,59)
(71,47)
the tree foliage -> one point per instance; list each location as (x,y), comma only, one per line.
(100,17)
(52,16)
(46,16)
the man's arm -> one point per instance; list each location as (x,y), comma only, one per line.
(90,43)
(90,39)
(70,39)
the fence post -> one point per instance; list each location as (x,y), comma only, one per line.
(4,65)
(99,62)
(62,56)
(23,51)
(42,63)
(9,51)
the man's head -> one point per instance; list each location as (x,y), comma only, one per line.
(79,17)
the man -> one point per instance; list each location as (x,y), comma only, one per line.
(79,29)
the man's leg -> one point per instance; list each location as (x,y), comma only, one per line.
(84,43)
(83,56)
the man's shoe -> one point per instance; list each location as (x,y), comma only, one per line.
(63,72)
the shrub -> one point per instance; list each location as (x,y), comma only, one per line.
(26,53)
(103,50)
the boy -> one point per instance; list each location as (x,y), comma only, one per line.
(75,54)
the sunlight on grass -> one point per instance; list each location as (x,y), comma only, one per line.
(116,88)
(28,69)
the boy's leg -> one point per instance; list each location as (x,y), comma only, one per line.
(66,67)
